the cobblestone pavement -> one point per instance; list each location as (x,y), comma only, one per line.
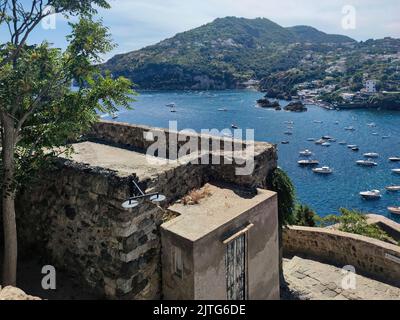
(311,280)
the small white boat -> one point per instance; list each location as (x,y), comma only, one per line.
(289,133)
(223,109)
(375,134)
(326,144)
(318,121)
(371,155)
(394,159)
(393,188)
(342,143)
(367,163)
(171,105)
(306,153)
(372,124)
(323,170)
(311,139)
(352,146)
(349,129)
(396,171)
(371,195)
(320,141)
(327,138)
(285,142)
(114,115)
(308,162)
(394,210)
(289,122)
(355,149)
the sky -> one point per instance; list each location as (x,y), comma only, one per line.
(135,24)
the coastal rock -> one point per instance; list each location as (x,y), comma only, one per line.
(11,293)
(265,103)
(296,107)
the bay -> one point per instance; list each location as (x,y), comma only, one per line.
(326,194)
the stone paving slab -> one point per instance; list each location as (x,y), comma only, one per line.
(312,280)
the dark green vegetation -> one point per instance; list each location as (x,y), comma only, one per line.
(355,222)
(223,54)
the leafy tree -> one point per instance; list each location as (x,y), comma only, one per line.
(39,112)
(304,216)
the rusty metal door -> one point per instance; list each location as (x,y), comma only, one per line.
(235,261)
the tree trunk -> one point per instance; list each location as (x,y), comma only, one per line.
(8,203)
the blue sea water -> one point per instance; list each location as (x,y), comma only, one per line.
(325,194)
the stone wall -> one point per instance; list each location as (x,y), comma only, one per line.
(264,154)
(72,216)
(371,257)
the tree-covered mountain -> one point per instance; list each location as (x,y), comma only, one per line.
(222,54)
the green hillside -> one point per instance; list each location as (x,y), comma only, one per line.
(222,54)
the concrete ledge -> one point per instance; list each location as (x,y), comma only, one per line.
(371,257)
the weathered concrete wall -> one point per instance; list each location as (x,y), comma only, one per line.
(204,248)
(262,256)
(371,257)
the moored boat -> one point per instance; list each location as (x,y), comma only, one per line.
(308,162)
(367,163)
(394,159)
(394,210)
(393,188)
(396,171)
(349,129)
(323,170)
(306,153)
(233,126)
(371,195)
(371,155)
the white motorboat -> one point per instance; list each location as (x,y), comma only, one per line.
(367,163)
(114,115)
(320,141)
(233,126)
(223,109)
(371,155)
(308,162)
(393,188)
(371,195)
(326,144)
(396,171)
(394,159)
(375,134)
(318,121)
(342,143)
(352,146)
(394,210)
(349,129)
(323,170)
(289,122)
(306,153)
(371,125)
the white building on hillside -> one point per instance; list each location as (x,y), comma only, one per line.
(370,86)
